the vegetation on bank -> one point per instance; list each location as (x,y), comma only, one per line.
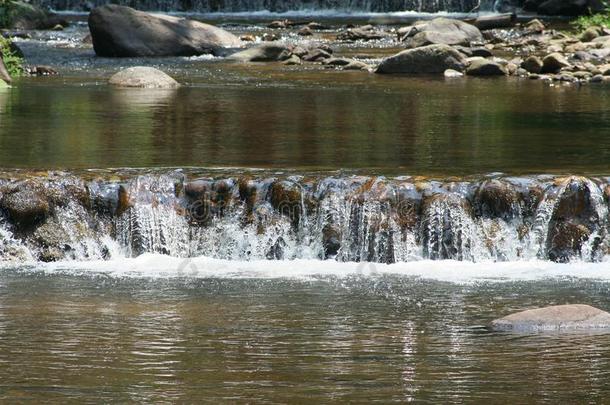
(12,60)
(594,20)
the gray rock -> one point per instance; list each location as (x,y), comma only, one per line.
(293,60)
(316,55)
(485,67)
(590,34)
(359,34)
(554,62)
(266,52)
(445,31)
(427,59)
(554,318)
(451,74)
(143,77)
(337,61)
(118,31)
(356,65)
(534,25)
(532,64)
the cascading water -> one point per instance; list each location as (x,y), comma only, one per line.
(276,6)
(281,217)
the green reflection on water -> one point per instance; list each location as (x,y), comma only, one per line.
(310,120)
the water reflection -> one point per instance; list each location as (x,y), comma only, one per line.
(358,339)
(320,121)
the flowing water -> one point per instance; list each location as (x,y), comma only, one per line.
(274,234)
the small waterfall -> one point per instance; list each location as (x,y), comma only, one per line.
(276,6)
(346,218)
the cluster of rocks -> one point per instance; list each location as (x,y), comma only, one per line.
(296,55)
(456,48)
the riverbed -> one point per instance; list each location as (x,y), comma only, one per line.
(155,328)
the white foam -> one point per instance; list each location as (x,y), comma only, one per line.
(161,266)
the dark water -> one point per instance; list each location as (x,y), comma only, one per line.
(272,116)
(358,339)
(313,120)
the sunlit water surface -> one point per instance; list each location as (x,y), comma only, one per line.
(356,338)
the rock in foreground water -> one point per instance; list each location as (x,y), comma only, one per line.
(119,31)
(143,77)
(265,52)
(426,59)
(558,317)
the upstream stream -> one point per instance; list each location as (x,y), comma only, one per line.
(271,233)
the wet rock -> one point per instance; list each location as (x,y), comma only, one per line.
(280,24)
(356,65)
(305,32)
(337,61)
(248,38)
(293,60)
(119,31)
(535,26)
(554,318)
(331,240)
(266,52)
(497,199)
(359,34)
(316,55)
(285,197)
(485,67)
(445,227)
(42,71)
(26,205)
(427,59)
(553,63)
(481,52)
(574,220)
(450,73)
(445,31)
(316,26)
(143,77)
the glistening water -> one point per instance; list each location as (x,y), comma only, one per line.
(358,338)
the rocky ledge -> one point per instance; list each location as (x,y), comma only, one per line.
(348,218)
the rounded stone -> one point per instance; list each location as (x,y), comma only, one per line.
(554,318)
(143,77)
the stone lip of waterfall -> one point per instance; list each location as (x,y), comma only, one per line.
(263,215)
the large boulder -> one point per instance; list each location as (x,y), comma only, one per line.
(265,52)
(426,59)
(554,318)
(119,31)
(22,15)
(445,31)
(143,77)
(570,7)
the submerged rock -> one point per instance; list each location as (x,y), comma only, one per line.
(554,318)
(266,52)
(119,31)
(427,59)
(143,77)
